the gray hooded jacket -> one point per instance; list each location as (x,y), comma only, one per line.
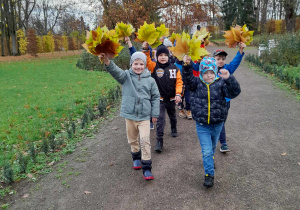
(140,95)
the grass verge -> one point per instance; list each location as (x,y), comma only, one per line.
(43,106)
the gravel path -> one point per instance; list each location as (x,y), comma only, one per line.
(263,124)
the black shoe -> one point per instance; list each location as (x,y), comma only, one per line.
(209,181)
(159,145)
(174,132)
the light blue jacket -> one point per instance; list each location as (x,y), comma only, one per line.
(140,95)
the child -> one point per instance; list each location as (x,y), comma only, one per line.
(140,101)
(133,50)
(168,80)
(208,106)
(220,56)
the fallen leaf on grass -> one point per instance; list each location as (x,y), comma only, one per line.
(25,196)
(283,154)
(29,176)
(87,192)
(111,164)
(51,164)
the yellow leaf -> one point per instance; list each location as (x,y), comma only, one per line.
(147,32)
(283,154)
(163,31)
(186,46)
(124,30)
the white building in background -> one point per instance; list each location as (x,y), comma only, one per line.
(194,27)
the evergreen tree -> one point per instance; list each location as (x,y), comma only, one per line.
(238,12)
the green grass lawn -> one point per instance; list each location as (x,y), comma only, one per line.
(37,97)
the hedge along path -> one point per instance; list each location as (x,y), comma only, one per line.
(50,55)
(263,124)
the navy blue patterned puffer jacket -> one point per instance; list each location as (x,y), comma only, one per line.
(208,104)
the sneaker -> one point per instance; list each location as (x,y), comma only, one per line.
(151,126)
(148,175)
(182,114)
(224,148)
(189,114)
(208,181)
(174,132)
(137,164)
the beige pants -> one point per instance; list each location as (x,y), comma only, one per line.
(136,129)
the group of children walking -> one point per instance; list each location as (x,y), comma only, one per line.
(152,87)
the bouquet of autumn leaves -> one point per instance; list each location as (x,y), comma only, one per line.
(238,34)
(187,46)
(106,41)
(150,34)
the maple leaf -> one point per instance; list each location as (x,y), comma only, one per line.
(238,34)
(186,46)
(173,37)
(147,32)
(102,41)
(123,30)
(150,34)
(163,31)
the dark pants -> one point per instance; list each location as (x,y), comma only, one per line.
(161,121)
(223,133)
(186,99)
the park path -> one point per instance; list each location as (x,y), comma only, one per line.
(263,124)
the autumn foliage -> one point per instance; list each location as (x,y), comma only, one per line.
(32,47)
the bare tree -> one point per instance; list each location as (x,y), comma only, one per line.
(290,14)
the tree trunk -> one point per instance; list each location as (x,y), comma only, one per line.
(290,14)
(264,15)
(12,28)
(2,29)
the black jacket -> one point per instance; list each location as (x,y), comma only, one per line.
(208,104)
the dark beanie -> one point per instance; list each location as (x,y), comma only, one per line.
(162,49)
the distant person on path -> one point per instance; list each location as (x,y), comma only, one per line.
(208,106)
(140,101)
(169,82)
(220,56)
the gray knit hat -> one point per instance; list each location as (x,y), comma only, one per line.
(167,42)
(138,55)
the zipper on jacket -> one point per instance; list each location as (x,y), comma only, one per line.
(208,98)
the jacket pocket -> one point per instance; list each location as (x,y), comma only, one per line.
(146,109)
(128,104)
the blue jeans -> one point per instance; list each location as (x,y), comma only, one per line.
(208,135)
(223,133)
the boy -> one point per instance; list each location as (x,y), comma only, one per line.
(168,80)
(220,56)
(208,106)
(140,101)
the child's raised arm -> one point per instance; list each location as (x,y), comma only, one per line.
(113,69)
(150,64)
(187,74)
(242,45)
